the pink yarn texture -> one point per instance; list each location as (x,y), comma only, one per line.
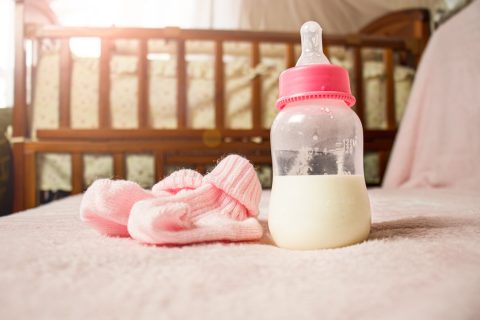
(183,208)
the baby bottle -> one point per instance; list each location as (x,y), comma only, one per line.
(319,198)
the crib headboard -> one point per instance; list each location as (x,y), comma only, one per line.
(182,145)
(413,25)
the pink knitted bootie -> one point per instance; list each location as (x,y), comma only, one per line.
(177,181)
(107,203)
(222,206)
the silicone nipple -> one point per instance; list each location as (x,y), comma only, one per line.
(312,49)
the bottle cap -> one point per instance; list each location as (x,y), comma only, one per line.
(313,77)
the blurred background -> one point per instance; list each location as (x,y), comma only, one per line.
(349,19)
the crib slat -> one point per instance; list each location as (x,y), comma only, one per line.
(219,86)
(358,74)
(256,88)
(326,50)
(181,85)
(119,168)
(64,84)
(146,135)
(142,95)
(104,85)
(30,186)
(290,55)
(77,172)
(159,159)
(389,88)
(201,168)
(389,103)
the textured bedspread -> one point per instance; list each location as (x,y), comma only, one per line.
(422,261)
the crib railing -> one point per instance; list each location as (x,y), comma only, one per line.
(180,37)
(165,152)
(170,146)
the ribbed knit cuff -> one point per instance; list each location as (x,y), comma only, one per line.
(237,177)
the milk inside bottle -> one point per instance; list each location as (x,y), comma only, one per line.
(319,197)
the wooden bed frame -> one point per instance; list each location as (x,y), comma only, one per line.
(405,32)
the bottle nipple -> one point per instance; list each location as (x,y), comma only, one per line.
(312,48)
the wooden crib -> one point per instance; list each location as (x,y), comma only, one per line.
(401,35)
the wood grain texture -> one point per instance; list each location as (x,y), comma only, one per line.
(375,140)
(30,186)
(411,25)
(181,85)
(133,146)
(290,55)
(145,134)
(19,116)
(219,87)
(77,172)
(65,83)
(389,88)
(143,104)
(159,160)
(256,87)
(359,86)
(119,166)
(209,35)
(201,168)
(19,177)
(104,85)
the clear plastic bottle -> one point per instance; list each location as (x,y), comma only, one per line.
(319,197)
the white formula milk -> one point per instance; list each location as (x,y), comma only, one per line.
(318,211)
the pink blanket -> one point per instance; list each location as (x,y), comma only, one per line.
(438,144)
(422,261)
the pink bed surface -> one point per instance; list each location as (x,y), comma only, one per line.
(422,261)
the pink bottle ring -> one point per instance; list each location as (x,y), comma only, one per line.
(326,81)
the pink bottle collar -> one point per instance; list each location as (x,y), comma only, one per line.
(314,81)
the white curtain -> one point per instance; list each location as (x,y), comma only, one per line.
(342,16)
(6,52)
(336,17)
(144,13)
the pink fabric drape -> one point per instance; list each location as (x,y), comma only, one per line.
(438,144)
